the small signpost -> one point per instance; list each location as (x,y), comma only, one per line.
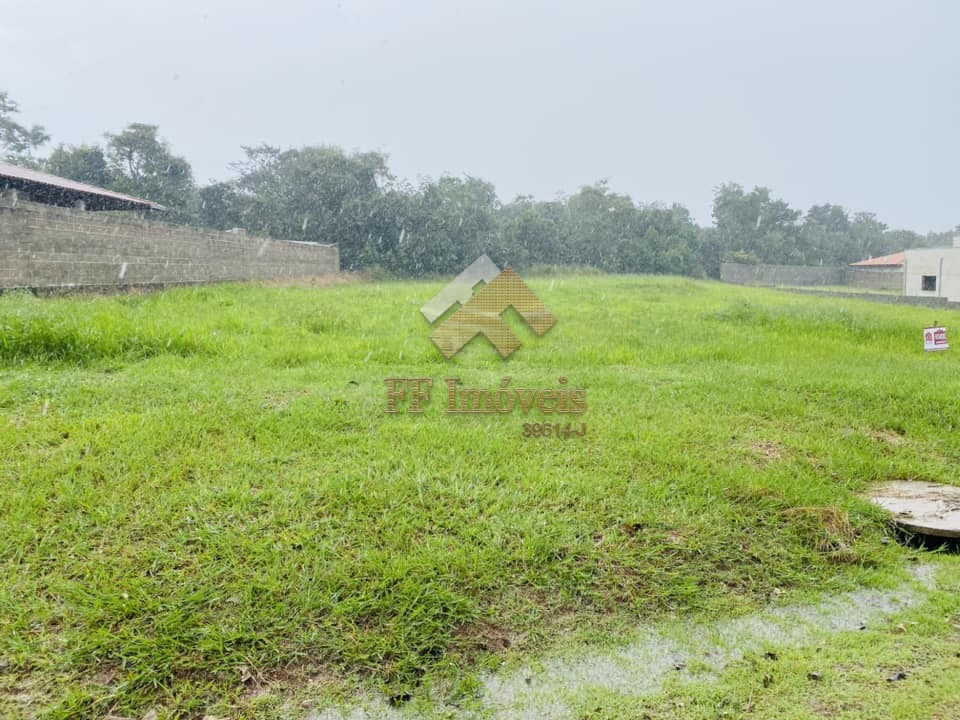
(935,338)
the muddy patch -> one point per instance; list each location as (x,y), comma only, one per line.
(553,687)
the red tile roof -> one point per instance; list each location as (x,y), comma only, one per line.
(52,185)
(882,261)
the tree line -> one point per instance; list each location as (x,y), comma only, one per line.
(323,194)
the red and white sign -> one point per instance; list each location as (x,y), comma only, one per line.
(935,338)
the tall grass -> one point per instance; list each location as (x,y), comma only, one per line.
(32,330)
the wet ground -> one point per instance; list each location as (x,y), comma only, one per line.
(642,667)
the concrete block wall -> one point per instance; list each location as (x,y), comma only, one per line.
(875,279)
(806,275)
(47,247)
(782,274)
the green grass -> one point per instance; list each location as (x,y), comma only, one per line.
(201,494)
(846,289)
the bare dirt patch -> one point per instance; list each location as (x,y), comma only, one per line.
(889,437)
(280,401)
(768,451)
(485,636)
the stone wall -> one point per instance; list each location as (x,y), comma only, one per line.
(782,274)
(807,275)
(47,247)
(875,279)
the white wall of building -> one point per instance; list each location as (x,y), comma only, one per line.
(940,263)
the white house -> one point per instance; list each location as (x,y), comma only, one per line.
(933,272)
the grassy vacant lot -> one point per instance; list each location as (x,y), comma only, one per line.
(201,495)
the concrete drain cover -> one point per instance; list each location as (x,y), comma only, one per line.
(924,508)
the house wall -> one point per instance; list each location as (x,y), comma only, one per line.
(42,246)
(942,263)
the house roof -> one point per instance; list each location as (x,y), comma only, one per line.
(53,190)
(882,261)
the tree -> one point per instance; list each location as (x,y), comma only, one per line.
(825,236)
(710,251)
(600,224)
(454,220)
(18,142)
(312,194)
(867,234)
(142,165)
(832,218)
(532,232)
(219,206)
(668,242)
(84,163)
(756,224)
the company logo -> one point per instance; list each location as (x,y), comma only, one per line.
(480,313)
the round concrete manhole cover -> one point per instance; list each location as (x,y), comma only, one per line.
(924,508)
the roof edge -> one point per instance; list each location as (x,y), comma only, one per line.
(39,177)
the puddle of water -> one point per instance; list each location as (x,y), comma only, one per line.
(642,666)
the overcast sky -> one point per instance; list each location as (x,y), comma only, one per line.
(856,103)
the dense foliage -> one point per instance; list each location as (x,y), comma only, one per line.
(323,194)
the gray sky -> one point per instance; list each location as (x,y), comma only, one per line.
(851,102)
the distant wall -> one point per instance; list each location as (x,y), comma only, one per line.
(807,275)
(931,302)
(782,274)
(875,279)
(42,246)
